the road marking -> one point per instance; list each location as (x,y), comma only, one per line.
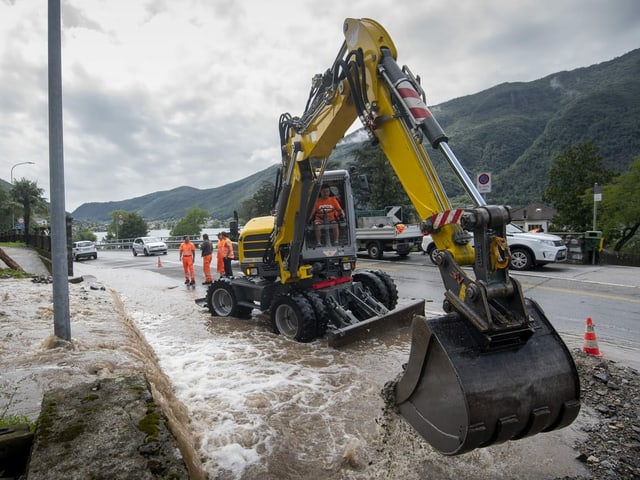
(581,280)
(579,292)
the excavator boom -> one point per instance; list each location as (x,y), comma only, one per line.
(493,368)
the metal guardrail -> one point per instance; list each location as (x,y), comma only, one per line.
(125,243)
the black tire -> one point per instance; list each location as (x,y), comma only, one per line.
(374,284)
(95,256)
(521,259)
(222,301)
(392,290)
(293,316)
(164,253)
(375,250)
(146,252)
(321,312)
(135,254)
(432,251)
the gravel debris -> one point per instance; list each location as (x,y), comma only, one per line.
(612,391)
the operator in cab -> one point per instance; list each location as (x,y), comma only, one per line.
(327,210)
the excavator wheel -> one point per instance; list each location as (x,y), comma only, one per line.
(459,396)
(391,288)
(374,284)
(320,311)
(222,302)
(293,316)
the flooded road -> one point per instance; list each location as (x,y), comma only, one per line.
(264,407)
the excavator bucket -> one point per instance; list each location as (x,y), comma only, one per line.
(459,396)
(399,317)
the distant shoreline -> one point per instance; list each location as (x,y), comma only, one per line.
(164,233)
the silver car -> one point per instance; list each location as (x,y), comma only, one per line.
(148,246)
(84,249)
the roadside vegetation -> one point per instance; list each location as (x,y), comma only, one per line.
(570,190)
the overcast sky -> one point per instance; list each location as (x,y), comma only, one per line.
(163,93)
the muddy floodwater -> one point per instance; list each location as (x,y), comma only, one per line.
(260,406)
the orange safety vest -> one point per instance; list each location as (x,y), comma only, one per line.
(187,249)
(329,206)
(228,248)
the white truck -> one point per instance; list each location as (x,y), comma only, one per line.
(385,232)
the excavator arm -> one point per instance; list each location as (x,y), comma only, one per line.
(493,368)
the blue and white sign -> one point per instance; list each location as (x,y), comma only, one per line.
(483,182)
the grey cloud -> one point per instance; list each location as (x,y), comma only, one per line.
(74,17)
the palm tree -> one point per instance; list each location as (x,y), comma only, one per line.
(27,193)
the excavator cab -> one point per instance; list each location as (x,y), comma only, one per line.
(327,228)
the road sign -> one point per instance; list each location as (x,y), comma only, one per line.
(483,182)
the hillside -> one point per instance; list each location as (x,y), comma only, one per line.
(220,202)
(513,130)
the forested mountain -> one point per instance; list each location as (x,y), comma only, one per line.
(220,202)
(512,130)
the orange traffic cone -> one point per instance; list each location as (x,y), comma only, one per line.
(159,263)
(590,340)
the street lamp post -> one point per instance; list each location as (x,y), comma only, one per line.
(13,220)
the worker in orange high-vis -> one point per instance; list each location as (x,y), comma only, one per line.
(220,256)
(206,248)
(187,254)
(227,254)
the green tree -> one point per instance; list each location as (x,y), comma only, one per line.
(191,223)
(126,225)
(28,196)
(572,173)
(376,185)
(620,207)
(85,235)
(261,203)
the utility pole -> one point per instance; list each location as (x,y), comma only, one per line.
(61,320)
(597,197)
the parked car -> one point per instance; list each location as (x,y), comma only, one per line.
(148,246)
(84,249)
(429,247)
(528,250)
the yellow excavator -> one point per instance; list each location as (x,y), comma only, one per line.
(492,368)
